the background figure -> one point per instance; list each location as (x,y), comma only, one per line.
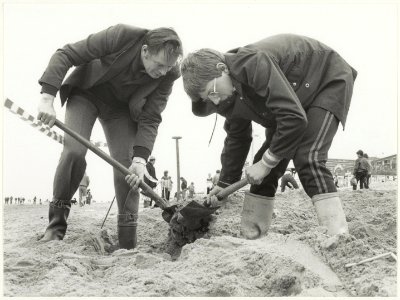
(209,183)
(6,199)
(191,190)
(183,188)
(151,180)
(367,179)
(83,185)
(215,178)
(164,182)
(34,200)
(11,199)
(288,180)
(360,169)
(169,187)
(88,197)
(336,180)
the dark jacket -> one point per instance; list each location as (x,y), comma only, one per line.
(102,56)
(361,166)
(277,80)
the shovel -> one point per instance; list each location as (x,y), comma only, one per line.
(229,190)
(168,210)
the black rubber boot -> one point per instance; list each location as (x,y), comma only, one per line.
(58,215)
(127,224)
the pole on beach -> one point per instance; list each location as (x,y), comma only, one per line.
(107,213)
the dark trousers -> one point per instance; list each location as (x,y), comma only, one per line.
(361,177)
(367,180)
(120,131)
(310,157)
(166,193)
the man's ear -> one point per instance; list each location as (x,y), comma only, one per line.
(222,67)
(145,50)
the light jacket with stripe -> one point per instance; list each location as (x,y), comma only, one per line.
(277,80)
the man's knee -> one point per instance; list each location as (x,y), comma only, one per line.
(76,154)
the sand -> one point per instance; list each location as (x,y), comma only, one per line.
(297,258)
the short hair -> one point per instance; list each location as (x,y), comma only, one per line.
(360,152)
(198,68)
(165,39)
(365,155)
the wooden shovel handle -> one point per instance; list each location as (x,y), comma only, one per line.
(232,188)
(125,171)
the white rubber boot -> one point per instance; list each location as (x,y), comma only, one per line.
(256,215)
(330,213)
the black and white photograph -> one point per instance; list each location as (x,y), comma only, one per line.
(200,148)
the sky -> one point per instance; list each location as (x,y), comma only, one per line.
(365,35)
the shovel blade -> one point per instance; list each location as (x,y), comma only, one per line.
(168,212)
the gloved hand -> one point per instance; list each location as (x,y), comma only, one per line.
(212,199)
(137,167)
(46,112)
(256,173)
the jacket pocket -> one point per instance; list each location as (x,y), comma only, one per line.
(294,77)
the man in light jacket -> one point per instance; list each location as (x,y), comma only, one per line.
(123,77)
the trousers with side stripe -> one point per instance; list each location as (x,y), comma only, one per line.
(310,157)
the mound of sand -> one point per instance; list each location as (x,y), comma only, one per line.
(296,258)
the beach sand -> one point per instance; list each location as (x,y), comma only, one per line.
(296,258)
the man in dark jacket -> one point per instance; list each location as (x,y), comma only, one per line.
(298,89)
(123,77)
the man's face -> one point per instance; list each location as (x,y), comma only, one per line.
(156,65)
(218,89)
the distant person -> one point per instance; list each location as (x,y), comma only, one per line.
(367,179)
(164,182)
(40,201)
(11,199)
(209,183)
(34,200)
(215,178)
(169,187)
(183,187)
(191,190)
(288,180)
(7,199)
(336,180)
(83,185)
(360,169)
(150,178)
(89,197)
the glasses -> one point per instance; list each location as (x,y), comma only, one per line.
(214,95)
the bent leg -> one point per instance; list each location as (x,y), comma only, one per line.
(80,116)
(310,162)
(120,132)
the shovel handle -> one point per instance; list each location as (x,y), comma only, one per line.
(117,165)
(231,189)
